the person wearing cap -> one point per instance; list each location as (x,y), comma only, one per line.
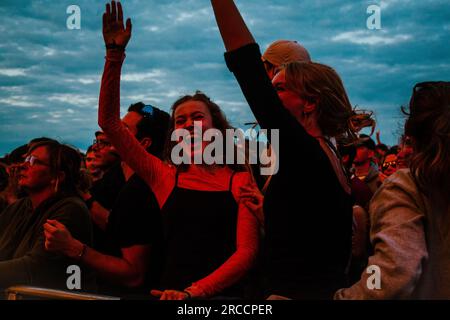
(308,203)
(282,52)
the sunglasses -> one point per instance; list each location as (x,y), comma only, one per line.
(32,160)
(147,111)
(388,164)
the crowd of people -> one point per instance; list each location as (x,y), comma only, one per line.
(139,224)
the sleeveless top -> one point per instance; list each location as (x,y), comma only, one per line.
(199,234)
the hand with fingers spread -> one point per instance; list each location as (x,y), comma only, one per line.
(59,239)
(170,294)
(253,199)
(114,33)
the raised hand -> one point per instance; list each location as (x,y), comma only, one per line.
(114,33)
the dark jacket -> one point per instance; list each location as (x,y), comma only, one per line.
(23,258)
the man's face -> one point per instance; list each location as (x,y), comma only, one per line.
(390,164)
(35,173)
(104,152)
(131,120)
(363,155)
(90,161)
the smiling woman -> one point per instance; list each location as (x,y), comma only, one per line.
(211,234)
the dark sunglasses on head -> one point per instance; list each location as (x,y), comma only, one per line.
(147,111)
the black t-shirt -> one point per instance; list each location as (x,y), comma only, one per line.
(135,219)
(106,191)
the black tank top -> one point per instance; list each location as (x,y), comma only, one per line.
(199,234)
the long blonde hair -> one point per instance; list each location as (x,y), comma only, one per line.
(320,84)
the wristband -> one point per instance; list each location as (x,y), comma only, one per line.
(115,46)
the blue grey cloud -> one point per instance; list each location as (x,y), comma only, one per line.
(50,75)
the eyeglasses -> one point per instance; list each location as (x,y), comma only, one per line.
(101,143)
(388,164)
(32,160)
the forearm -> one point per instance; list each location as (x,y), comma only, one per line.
(147,166)
(114,269)
(233,29)
(238,264)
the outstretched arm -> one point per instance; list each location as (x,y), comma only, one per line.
(233,29)
(116,37)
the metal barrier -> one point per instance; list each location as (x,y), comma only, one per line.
(22,292)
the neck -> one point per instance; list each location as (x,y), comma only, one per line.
(40,196)
(363,168)
(309,123)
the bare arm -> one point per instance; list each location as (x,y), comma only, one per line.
(233,29)
(129,270)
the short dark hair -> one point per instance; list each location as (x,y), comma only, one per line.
(383,147)
(154,126)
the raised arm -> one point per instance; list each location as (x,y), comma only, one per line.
(116,37)
(233,29)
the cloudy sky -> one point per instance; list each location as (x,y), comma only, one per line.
(50,75)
